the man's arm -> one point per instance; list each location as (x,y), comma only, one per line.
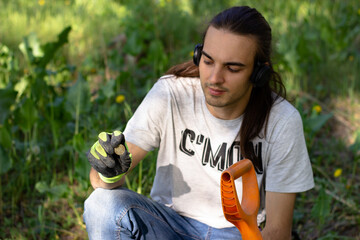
(137,153)
(279,215)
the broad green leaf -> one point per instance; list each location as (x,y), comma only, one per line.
(315,123)
(51,48)
(5,161)
(133,45)
(108,90)
(34,43)
(8,66)
(322,207)
(5,138)
(59,191)
(27,115)
(82,167)
(21,86)
(56,191)
(40,56)
(40,91)
(41,187)
(31,49)
(78,98)
(7,98)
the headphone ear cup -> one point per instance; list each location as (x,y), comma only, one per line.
(197,54)
(260,75)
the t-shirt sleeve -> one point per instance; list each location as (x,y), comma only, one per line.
(289,168)
(144,128)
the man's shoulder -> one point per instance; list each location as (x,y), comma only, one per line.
(284,117)
(183,86)
(175,80)
(283,110)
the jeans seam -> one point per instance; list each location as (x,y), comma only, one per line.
(124,212)
(208,234)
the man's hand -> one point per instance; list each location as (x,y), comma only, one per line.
(109,156)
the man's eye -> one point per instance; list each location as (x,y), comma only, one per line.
(206,60)
(234,70)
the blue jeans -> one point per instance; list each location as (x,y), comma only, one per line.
(123,214)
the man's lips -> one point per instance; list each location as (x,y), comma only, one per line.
(216,91)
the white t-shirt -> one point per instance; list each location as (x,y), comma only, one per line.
(195,147)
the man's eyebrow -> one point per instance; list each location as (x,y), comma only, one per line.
(227,63)
(207,55)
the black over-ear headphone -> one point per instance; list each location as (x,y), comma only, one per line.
(259,77)
(197,54)
(261,74)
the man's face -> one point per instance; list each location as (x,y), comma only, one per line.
(225,69)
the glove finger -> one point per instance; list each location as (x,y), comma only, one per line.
(95,160)
(105,141)
(104,157)
(125,161)
(97,164)
(117,138)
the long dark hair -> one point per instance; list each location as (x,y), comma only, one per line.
(247,21)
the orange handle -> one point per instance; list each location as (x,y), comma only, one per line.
(243,216)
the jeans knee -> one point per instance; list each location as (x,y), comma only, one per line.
(107,204)
(94,205)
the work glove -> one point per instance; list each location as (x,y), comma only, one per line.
(109,156)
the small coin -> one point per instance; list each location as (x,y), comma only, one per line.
(119,150)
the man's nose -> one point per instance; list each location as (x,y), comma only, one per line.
(217,75)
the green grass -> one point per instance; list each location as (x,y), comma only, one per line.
(55,99)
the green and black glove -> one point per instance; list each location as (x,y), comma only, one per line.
(109,156)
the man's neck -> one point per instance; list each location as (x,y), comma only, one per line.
(226,113)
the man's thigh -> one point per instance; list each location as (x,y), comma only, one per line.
(123,214)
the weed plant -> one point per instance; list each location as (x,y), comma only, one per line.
(71,69)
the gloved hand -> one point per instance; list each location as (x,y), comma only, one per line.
(109,156)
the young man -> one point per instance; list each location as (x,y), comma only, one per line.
(204,117)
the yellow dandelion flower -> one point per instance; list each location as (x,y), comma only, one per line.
(351,58)
(317,108)
(337,172)
(12,108)
(359,11)
(191,53)
(41,2)
(120,98)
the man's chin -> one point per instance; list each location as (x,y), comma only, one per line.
(215,102)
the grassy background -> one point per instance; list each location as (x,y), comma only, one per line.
(70,69)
